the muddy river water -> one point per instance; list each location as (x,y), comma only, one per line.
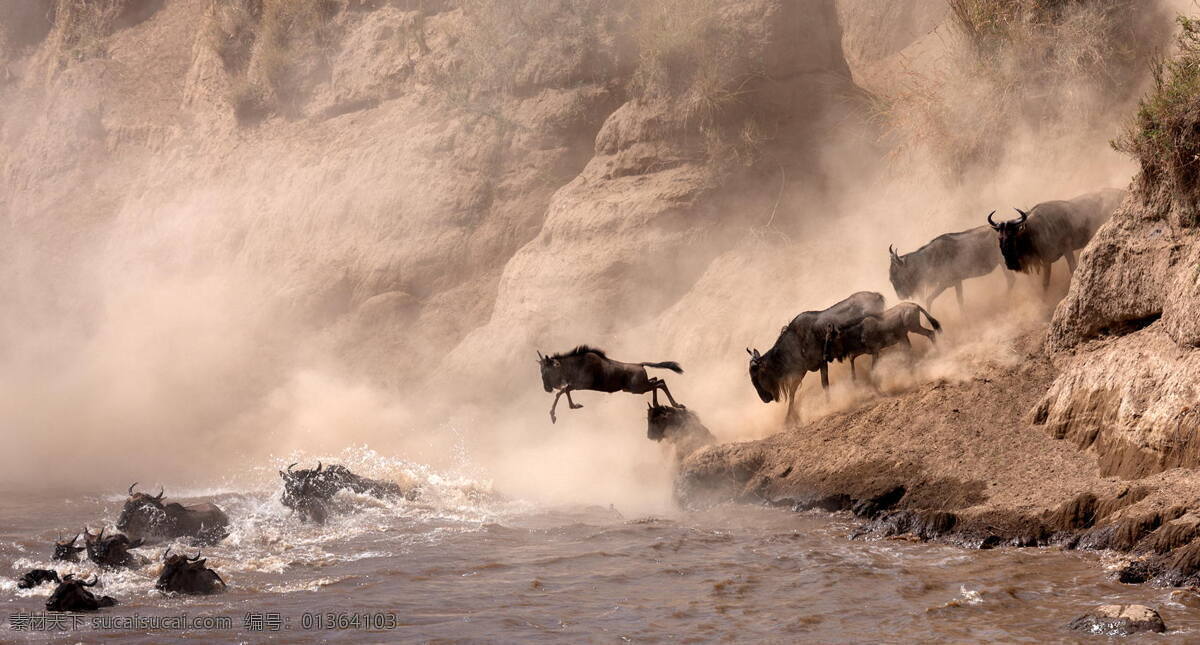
(462,563)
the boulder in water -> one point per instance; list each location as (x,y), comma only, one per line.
(1119,620)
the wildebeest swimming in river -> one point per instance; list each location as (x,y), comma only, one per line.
(588,368)
(872,334)
(74,595)
(310,491)
(188,575)
(944,262)
(146,517)
(112,551)
(36,577)
(1052,230)
(66,549)
(800,348)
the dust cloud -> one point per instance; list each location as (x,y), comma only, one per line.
(254,298)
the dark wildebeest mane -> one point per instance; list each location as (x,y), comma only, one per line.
(581,350)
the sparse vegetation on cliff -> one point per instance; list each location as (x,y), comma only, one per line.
(1049,63)
(269,48)
(1164,136)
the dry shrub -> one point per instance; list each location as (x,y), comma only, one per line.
(271,49)
(703,65)
(1164,136)
(515,47)
(1047,64)
(81,27)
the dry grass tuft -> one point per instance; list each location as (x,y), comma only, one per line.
(1045,64)
(1164,136)
(270,48)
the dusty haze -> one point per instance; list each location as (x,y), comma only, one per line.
(216,261)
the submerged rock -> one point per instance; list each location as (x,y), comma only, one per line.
(1119,620)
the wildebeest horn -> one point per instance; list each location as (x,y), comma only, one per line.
(540,357)
(289,468)
(994,225)
(166,553)
(318,466)
(95,579)
(191,559)
(1024,216)
(161,490)
(893,253)
(749,352)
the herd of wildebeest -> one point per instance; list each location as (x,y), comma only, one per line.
(860,325)
(146,520)
(856,326)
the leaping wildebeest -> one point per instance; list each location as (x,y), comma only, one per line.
(944,262)
(588,368)
(147,517)
(1052,230)
(800,348)
(873,334)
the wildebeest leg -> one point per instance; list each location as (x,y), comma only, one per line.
(933,296)
(1071,262)
(571,404)
(661,384)
(958,294)
(853,376)
(1046,276)
(792,385)
(554,419)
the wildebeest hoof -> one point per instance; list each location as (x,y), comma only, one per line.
(576,406)
(553,419)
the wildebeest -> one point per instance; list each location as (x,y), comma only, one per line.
(310,491)
(944,262)
(146,517)
(588,368)
(872,334)
(800,348)
(36,577)
(1052,230)
(73,595)
(112,551)
(66,550)
(680,427)
(185,575)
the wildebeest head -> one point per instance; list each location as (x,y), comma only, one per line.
(66,550)
(142,513)
(1015,243)
(764,375)
(188,575)
(111,551)
(551,372)
(74,595)
(903,275)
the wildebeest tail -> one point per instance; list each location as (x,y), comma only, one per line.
(937,326)
(666,365)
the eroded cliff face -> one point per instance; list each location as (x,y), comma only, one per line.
(1127,335)
(205,198)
